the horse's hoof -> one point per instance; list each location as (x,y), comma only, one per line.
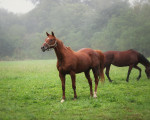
(75,99)
(62,100)
(95,96)
(111,81)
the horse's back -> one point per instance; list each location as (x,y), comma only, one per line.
(88,51)
(90,55)
(121,58)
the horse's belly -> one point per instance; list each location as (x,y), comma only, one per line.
(82,68)
(122,63)
(83,64)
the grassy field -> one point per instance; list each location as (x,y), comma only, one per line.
(31,90)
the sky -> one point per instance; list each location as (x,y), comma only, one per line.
(17,6)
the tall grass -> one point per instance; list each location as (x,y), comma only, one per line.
(32,90)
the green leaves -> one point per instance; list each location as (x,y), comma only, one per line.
(98,24)
(129,30)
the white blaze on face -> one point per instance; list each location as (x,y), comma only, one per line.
(47,39)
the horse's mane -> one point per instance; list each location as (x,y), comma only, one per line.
(67,48)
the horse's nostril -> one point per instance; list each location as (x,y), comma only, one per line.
(43,49)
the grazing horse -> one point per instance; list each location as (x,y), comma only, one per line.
(71,62)
(126,58)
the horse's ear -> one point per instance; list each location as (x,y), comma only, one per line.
(53,34)
(47,34)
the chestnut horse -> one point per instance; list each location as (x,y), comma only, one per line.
(126,58)
(71,62)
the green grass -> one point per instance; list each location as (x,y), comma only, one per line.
(31,90)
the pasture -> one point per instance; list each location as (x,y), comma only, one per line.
(32,90)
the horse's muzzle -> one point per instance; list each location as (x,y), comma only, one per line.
(43,49)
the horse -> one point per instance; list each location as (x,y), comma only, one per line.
(71,62)
(126,58)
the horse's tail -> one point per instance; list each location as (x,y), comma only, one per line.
(102,58)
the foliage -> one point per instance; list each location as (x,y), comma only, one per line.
(127,31)
(32,90)
(98,24)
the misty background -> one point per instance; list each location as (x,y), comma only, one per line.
(98,24)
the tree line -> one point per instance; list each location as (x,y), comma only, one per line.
(98,24)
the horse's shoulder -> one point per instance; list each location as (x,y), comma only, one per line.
(64,66)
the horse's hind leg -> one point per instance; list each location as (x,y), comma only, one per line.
(129,71)
(96,82)
(89,81)
(73,77)
(136,67)
(107,73)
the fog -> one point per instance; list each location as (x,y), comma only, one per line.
(98,24)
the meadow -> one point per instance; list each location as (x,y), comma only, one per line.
(31,90)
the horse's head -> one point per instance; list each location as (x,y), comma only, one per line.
(50,42)
(147,71)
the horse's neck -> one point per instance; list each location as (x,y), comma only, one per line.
(60,50)
(144,61)
(147,65)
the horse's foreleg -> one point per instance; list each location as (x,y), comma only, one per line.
(107,73)
(136,67)
(73,77)
(87,75)
(62,77)
(129,71)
